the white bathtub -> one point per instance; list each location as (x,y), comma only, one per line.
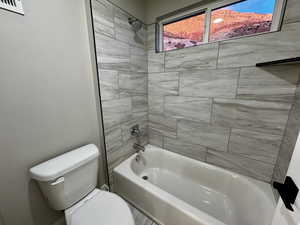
(183,191)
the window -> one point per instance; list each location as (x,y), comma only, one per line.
(183,33)
(240,19)
(220,20)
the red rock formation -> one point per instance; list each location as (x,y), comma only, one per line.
(234,24)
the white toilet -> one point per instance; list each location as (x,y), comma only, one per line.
(69,183)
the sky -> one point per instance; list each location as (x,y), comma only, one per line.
(257,6)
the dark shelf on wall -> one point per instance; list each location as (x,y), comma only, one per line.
(279,62)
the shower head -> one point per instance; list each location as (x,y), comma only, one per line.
(135,23)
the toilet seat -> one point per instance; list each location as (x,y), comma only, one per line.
(100,208)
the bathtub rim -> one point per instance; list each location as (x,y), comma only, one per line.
(126,171)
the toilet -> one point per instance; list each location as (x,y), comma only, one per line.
(69,182)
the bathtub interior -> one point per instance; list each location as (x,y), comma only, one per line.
(232,199)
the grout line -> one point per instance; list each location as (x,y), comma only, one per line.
(229,137)
(218,55)
(211,111)
(238,83)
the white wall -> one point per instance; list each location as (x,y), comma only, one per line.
(134,7)
(156,8)
(47,99)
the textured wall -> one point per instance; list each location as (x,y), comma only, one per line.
(122,62)
(211,103)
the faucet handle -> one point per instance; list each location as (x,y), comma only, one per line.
(135,131)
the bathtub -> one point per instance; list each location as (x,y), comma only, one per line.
(176,190)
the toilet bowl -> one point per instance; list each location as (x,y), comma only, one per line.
(99,207)
(69,182)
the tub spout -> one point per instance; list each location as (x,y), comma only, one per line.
(139,150)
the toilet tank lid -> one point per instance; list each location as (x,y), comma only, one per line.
(59,166)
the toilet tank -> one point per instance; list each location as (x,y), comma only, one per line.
(68,178)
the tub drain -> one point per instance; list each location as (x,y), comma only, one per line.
(145,177)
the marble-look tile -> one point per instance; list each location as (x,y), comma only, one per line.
(163,125)
(185,148)
(209,83)
(124,31)
(150,44)
(255,145)
(245,166)
(163,83)
(278,175)
(251,115)
(103,16)
(156,104)
(112,54)
(113,138)
(248,51)
(156,62)
(292,11)
(143,125)
(289,141)
(193,58)
(109,87)
(203,134)
(155,138)
(138,59)
(275,83)
(132,83)
(189,108)
(114,158)
(139,104)
(116,111)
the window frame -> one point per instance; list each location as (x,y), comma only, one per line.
(207,9)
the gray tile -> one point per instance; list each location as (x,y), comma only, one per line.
(114,158)
(116,111)
(278,175)
(190,108)
(156,62)
(155,138)
(185,148)
(251,115)
(143,125)
(156,103)
(203,134)
(292,11)
(150,44)
(139,104)
(163,83)
(248,51)
(113,138)
(245,166)
(255,145)
(132,83)
(199,57)
(289,141)
(138,59)
(109,84)
(112,54)
(209,83)
(275,83)
(103,15)
(162,125)
(124,31)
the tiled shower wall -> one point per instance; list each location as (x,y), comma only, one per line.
(122,63)
(208,102)
(211,103)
